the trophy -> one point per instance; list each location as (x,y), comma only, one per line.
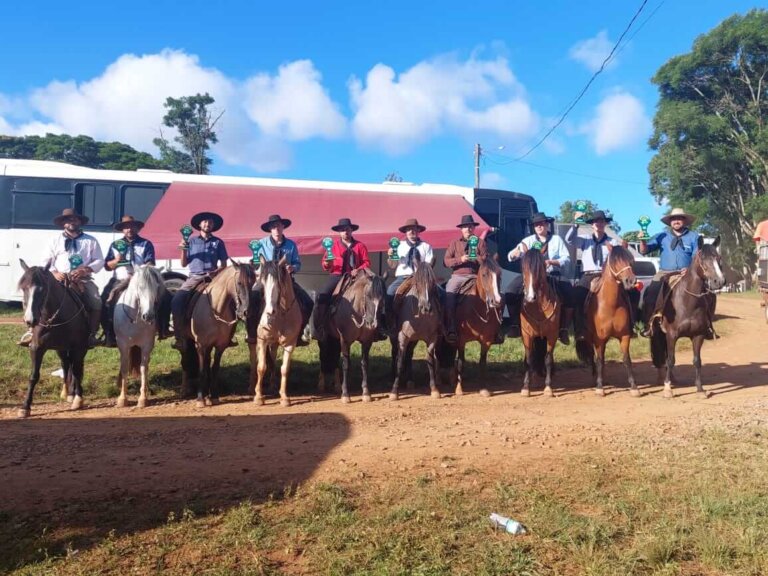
(581,206)
(537,246)
(328,244)
(121,247)
(186,232)
(255,247)
(394,243)
(75,261)
(644,222)
(472,242)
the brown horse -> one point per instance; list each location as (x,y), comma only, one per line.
(608,314)
(478,318)
(417,317)
(59,321)
(213,323)
(354,318)
(278,324)
(687,313)
(539,321)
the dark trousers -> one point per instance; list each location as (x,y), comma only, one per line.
(180,300)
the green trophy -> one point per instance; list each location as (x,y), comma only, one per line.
(394,243)
(255,247)
(121,247)
(537,246)
(75,261)
(186,232)
(644,222)
(328,244)
(581,206)
(472,242)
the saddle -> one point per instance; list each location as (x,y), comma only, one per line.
(194,297)
(117,290)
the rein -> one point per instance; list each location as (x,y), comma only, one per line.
(48,323)
(215,314)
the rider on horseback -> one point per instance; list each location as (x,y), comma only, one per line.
(556,256)
(75,255)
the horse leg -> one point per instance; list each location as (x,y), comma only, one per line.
(66,381)
(366,351)
(214,386)
(36,356)
(625,342)
(671,342)
(77,370)
(345,346)
(697,343)
(528,371)
(399,369)
(484,368)
(459,367)
(409,382)
(261,368)
(122,376)
(599,367)
(549,361)
(144,373)
(434,391)
(203,381)
(285,369)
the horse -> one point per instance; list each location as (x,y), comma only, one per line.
(59,321)
(608,314)
(362,297)
(417,317)
(539,321)
(478,319)
(213,321)
(279,324)
(687,312)
(135,328)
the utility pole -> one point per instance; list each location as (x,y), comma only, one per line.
(478,153)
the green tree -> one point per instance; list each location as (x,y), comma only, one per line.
(194,125)
(710,134)
(567,209)
(174,159)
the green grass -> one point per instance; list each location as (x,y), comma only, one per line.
(10,310)
(674,512)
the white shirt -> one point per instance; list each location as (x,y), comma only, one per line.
(556,250)
(424,250)
(85,245)
(588,264)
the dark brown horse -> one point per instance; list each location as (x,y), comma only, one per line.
(687,313)
(539,321)
(608,314)
(59,321)
(417,317)
(478,318)
(354,318)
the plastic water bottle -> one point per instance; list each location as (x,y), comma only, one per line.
(508,524)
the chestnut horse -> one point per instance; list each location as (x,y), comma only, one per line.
(539,320)
(687,313)
(608,314)
(59,321)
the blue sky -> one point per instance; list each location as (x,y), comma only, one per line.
(352,91)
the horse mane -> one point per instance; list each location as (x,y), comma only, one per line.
(488,265)
(146,282)
(424,284)
(533,263)
(34,275)
(620,255)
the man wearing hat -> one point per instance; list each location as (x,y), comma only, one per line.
(350,256)
(677,245)
(462,268)
(274,247)
(556,256)
(78,255)
(204,254)
(594,255)
(413,249)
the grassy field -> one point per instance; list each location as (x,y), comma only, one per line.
(673,512)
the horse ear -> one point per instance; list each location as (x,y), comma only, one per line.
(282,260)
(625,244)
(262,260)
(610,247)
(716,243)
(235,264)
(23,264)
(700,242)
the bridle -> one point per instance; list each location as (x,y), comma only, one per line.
(49,322)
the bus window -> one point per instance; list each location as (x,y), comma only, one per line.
(38,210)
(139,201)
(97,203)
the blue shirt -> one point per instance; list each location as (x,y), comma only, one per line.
(683,253)
(288,249)
(140,251)
(203,255)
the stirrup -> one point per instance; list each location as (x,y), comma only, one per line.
(26,338)
(563,336)
(178,344)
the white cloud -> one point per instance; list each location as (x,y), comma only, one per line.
(620,122)
(397,113)
(592,52)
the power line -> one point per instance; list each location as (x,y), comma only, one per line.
(586,87)
(563,171)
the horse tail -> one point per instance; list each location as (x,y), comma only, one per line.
(446,354)
(330,353)
(658,348)
(189,360)
(134,361)
(585,352)
(539,354)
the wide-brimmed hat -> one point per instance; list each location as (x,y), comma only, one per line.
(274,219)
(127,221)
(678,213)
(598,215)
(412,223)
(343,223)
(467,220)
(217,220)
(67,214)
(540,217)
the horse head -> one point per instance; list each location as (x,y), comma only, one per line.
(374,292)
(488,282)
(34,286)
(534,274)
(424,284)
(620,262)
(708,265)
(245,276)
(273,276)
(145,288)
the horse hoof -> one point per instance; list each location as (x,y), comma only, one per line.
(704,395)
(215,401)
(367,398)
(199,403)
(548,393)
(285,402)
(599,392)
(393,396)
(258,400)
(458,392)
(120,403)
(668,393)
(345,400)
(525,393)
(435,394)
(485,393)
(23,413)
(142,403)
(77,403)
(635,393)
(70,399)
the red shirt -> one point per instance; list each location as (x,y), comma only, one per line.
(340,264)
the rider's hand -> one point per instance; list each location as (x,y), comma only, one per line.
(390,252)
(354,272)
(576,215)
(291,269)
(513,255)
(464,258)
(58,275)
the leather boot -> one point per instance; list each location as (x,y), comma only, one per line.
(565,321)
(514,303)
(450,318)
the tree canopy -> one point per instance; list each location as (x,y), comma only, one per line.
(710,133)
(567,209)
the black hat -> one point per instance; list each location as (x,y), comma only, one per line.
(126,221)
(343,223)
(217,220)
(274,219)
(540,217)
(467,220)
(597,215)
(67,214)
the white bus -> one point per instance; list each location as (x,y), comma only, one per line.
(33,192)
